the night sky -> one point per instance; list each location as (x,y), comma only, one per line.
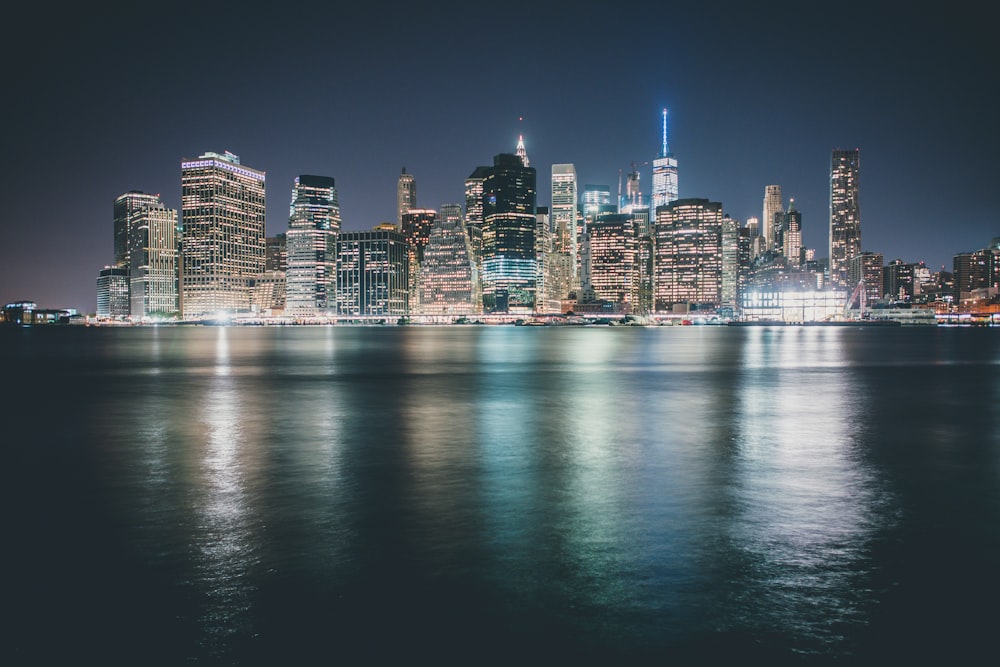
(99,101)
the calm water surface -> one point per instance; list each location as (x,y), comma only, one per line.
(684,495)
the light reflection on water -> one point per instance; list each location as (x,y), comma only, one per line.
(677,490)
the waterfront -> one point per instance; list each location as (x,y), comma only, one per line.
(290,495)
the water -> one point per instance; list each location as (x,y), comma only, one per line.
(491,494)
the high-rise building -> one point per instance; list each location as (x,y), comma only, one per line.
(522,152)
(126,208)
(112,293)
(664,175)
(688,264)
(791,235)
(474,217)
(222,245)
(448,281)
(510,266)
(631,199)
(867,267)
(898,281)
(406,196)
(563,277)
(729,281)
(845,214)
(416,229)
(153,261)
(774,211)
(372,272)
(276,252)
(313,225)
(613,270)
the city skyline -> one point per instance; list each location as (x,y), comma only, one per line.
(99,113)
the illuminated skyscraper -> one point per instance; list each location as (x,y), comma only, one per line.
(416,229)
(845,214)
(562,274)
(729,282)
(474,217)
(153,261)
(406,196)
(792,235)
(448,282)
(688,263)
(112,293)
(222,245)
(126,208)
(510,265)
(613,271)
(313,225)
(774,211)
(372,270)
(867,267)
(522,152)
(664,175)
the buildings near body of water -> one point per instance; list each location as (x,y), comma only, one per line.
(500,253)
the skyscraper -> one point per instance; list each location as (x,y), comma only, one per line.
(406,196)
(222,245)
(448,283)
(416,229)
(845,214)
(664,175)
(688,262)
(153,261)
(563,276)
(313,225)
(792,235)
(613,272)
(126,208)
(372,272)
(774,210)
(510,265)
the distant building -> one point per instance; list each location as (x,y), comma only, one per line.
(510,266)
(276,253)
(113,293)
(313,225)
(222,246)
(867,267)
(773,215)
(791,235)
(406,196)
(845,214)
(664,175)
(372,272)
(563,276)
(899,281)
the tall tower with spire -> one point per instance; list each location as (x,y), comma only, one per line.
(406,196)
(521,152)
(664,175)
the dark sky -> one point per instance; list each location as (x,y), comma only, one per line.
(99,101)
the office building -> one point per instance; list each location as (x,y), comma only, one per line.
(372,272)
(791,235)
(866,267)
(313,225)
(562,274)
(773,217)
(845,214)
(448,281)
(510,267)
(222,246)
(126,208)
(112,293)
(613,269)
(152,263)
(688,255)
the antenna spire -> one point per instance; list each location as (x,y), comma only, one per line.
(665,149)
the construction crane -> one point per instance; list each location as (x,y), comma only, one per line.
(858,293)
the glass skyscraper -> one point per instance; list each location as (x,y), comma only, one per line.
(448,281)
(664,175)
(688,264)
(222,244)
(311,241)
(510,266)
(372,270)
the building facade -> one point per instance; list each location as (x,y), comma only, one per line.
(313,225)
(372,273)
(845,214)
(448,280)
(112,293)
(688,255)
(510,266)
(665,189)
(222,245)
(152,264)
